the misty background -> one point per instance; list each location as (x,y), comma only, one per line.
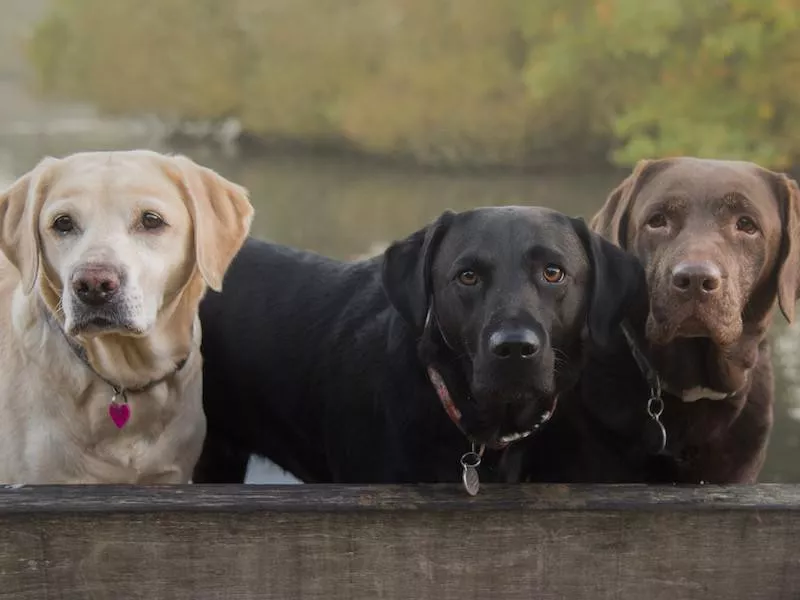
(355,122)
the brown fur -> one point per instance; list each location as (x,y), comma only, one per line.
(710,345)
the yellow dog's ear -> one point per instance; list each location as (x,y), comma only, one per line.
(20,206)
(221,213)
(611,221)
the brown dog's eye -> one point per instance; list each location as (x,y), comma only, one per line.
(151,220)
(553,274)
(747,225)
(63,224)
(468,277)
(657,221)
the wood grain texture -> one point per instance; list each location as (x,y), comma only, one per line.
(337,542)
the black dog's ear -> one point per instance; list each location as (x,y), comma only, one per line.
(618,286)
(406,270)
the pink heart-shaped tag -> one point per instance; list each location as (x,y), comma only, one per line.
(119,413)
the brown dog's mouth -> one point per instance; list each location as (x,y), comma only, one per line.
(693,327)
(693,320)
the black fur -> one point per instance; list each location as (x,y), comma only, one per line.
(319,365)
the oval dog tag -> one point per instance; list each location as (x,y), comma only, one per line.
(469,475)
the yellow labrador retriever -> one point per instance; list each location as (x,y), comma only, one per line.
(108,255)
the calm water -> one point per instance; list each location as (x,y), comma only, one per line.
(345,209)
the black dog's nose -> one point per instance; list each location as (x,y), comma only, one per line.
(700,278)
(514,343)
(95,285)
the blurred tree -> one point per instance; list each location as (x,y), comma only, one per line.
(448,81)
(174,58)
(712,79)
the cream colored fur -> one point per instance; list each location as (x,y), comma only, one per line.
(54,422)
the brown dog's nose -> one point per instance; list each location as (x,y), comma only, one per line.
(698,278)
(95,285)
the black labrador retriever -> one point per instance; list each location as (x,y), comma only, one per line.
(338,372)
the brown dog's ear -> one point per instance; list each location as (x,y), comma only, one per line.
(20,206)
(789,255)
(612,219)
(406,271)
(221,213)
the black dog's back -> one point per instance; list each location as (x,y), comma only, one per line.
(255,353)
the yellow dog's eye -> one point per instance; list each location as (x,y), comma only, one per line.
(63,224)
(468,277)
(553,274)
(151,221)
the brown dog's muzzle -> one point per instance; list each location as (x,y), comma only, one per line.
(694,296)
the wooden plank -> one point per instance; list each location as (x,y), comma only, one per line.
(336,542)
(343,498)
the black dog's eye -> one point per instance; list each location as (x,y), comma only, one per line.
(151,220)
(657,221)
(468,277)
(63,224)
(553,274)
(747,225)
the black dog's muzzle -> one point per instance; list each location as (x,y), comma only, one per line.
(452,410)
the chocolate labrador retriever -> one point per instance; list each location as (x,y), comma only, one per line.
(719,241)
(332,369)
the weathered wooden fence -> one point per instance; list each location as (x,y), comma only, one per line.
(420,542)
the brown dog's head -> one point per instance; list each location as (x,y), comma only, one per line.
(718,240)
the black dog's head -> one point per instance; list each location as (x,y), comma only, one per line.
(502,301)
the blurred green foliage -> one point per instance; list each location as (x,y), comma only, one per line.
(448,81)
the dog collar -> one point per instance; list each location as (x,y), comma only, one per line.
(118,408)
(470,461)
(455,415)
(655,404)
(445,398)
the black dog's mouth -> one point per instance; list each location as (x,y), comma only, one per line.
(509,422)
(506,440)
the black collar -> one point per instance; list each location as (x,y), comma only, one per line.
(655,434)
(119,390)
(645,366)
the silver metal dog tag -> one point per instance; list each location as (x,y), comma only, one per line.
(656,434)
(469,476)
